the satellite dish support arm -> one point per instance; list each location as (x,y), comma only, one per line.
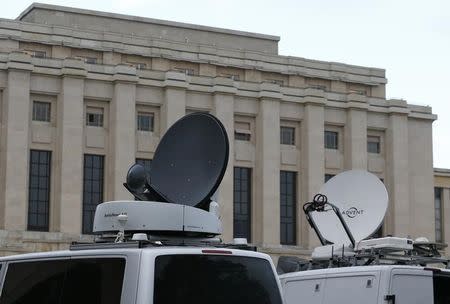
(318,204)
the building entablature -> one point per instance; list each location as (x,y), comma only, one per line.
(211,85)
(155,47)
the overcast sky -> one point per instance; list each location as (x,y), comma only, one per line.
(409,39)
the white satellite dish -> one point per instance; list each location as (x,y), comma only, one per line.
(362,200)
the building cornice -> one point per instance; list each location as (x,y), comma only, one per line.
(159,48)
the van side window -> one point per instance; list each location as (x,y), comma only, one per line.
(441,283)
(27,282)
(87,281)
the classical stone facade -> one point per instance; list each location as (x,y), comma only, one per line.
(442,206)
(78,84)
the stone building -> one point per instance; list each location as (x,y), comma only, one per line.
(442,206)
(85,94)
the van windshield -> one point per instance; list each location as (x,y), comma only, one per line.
(214,279)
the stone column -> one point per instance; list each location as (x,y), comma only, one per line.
(69,151)
(224,110)
(15,161)
(355,133)
(398,217)
(122,131)
(266,206)
(312,159)
(174,105)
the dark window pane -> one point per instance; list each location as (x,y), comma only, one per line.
(33,282)
(288,199)
(441,282)
(242,136)
(39,190)
(94,119)
(373,144)
(207,279)
(88,281)
(331,140)
(287,136)
(41,111)
(242,203)
(438,214)
(145,122)
(94,281)
(92,188)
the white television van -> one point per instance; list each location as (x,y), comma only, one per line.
(133,272)
(378,284)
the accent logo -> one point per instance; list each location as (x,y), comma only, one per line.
(352,212)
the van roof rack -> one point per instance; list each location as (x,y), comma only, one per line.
(159,243)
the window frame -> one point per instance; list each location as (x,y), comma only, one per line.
(151,123)
(439,229)
(96,111)
(375,140)
(245,199)
(89,203)
(48,111)
(42,217)
(286,204)
(291,141)
(334,144)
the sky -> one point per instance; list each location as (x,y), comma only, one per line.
(409,39)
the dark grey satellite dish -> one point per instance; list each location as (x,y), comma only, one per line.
(188,164)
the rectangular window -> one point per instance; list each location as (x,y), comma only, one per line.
(185,71)
(231,76)
(145,121)
(242,203)
(288,219)
(85,280)
(90,60)
(328,177)
(92,188)
(373,144)
(438,220)
(138,65)
(287,136)
(331,140)
(37,54)
(242,131)
(94,117)
(39,190)
(41,111)
(214,278)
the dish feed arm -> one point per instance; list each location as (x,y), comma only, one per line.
(318,204)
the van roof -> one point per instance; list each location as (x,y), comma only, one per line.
(120,251)
(361,269)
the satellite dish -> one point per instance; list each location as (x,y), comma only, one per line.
(362,200)
(188,164)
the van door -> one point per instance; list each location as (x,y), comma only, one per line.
(351,288)
(410,286)
(304,289)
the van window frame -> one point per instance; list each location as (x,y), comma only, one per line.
(130,275)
